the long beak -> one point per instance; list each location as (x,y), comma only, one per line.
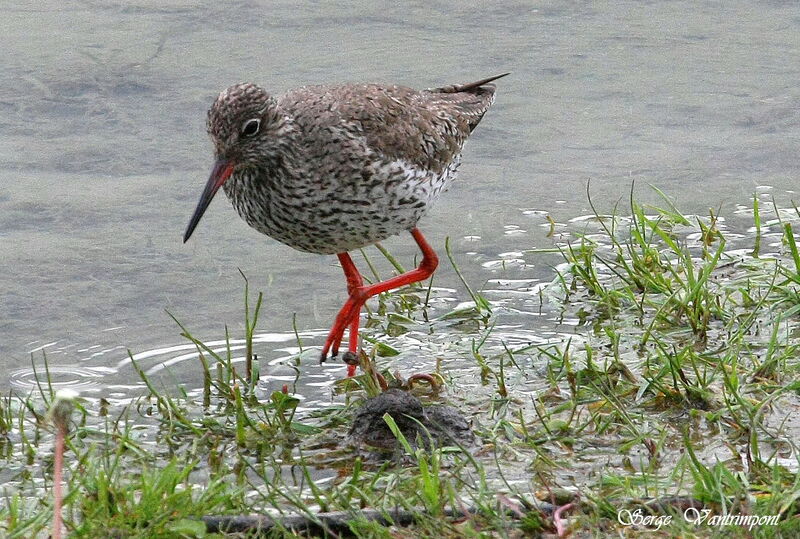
(221,172)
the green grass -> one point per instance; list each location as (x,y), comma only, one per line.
(669,381)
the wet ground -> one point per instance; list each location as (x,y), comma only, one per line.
(105,154)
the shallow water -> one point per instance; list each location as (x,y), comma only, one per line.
(104,155)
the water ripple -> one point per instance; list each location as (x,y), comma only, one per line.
(77,378)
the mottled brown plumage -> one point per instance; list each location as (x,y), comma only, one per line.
(425,128)
(328,169)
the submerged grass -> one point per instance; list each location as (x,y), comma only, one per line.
(670,406)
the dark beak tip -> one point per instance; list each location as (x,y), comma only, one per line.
(221,172)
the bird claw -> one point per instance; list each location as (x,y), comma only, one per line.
(332,344)
(334,340)
(349,357)
(324,355)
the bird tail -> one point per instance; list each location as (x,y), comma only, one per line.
(471,100)
(456,88)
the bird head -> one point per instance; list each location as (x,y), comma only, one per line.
(243,123)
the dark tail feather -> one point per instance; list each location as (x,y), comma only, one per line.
(455,88)
(470,100)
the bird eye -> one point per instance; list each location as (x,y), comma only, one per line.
(251,127)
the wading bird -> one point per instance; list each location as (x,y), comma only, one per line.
(333,168)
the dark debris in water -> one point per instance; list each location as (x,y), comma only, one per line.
(428,426)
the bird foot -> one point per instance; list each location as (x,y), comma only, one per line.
(347,318)
(350,358)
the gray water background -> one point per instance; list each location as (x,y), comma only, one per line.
(103,152)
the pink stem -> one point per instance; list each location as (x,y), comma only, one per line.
(58,466)
(560,530)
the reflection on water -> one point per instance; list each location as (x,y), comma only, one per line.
(104,152)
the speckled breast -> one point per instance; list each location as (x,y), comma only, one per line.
(337,212)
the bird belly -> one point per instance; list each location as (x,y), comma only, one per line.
(343,212)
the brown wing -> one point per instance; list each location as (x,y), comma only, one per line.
(425,128)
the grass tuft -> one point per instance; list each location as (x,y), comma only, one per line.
(664,381)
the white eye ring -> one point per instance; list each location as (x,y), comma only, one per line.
(251,127)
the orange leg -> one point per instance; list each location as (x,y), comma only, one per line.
(354,282)
(349,313)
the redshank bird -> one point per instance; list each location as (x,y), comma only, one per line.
(329,169)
